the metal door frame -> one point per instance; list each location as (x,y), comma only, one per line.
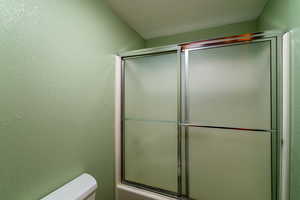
(275,39)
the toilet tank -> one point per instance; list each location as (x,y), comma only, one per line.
(81,188)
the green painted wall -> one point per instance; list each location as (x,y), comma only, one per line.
(285,15)
(57,94)
(221,31)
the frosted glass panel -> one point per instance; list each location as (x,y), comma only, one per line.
(151,87)
(229,164)
(151,154)
(230,86)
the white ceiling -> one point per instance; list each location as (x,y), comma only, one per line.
(154,18)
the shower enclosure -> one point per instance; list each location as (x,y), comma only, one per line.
(203,120)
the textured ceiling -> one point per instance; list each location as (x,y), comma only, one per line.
(154,18)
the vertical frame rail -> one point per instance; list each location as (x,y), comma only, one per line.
(179,119)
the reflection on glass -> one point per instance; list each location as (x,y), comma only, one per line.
(151,154)
(229,164)
(230,86)
(151,87)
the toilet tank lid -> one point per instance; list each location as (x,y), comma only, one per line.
(78,189)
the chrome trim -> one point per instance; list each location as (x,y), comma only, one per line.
(230,39)
(179,119)
(233,43)
(275,139)
(225,127)
(148,51)
(150,120)
(285,181)
(151,188)
(186,118)
(122,127)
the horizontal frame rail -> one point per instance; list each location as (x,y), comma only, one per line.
(229,128)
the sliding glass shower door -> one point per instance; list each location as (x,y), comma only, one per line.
(229,122)
(150,121)
(200,121)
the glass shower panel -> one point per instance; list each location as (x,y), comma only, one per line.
(151,154)
(230,86)
(229,164)
(150,128)
(151,87)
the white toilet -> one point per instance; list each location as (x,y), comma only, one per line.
(81,188)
